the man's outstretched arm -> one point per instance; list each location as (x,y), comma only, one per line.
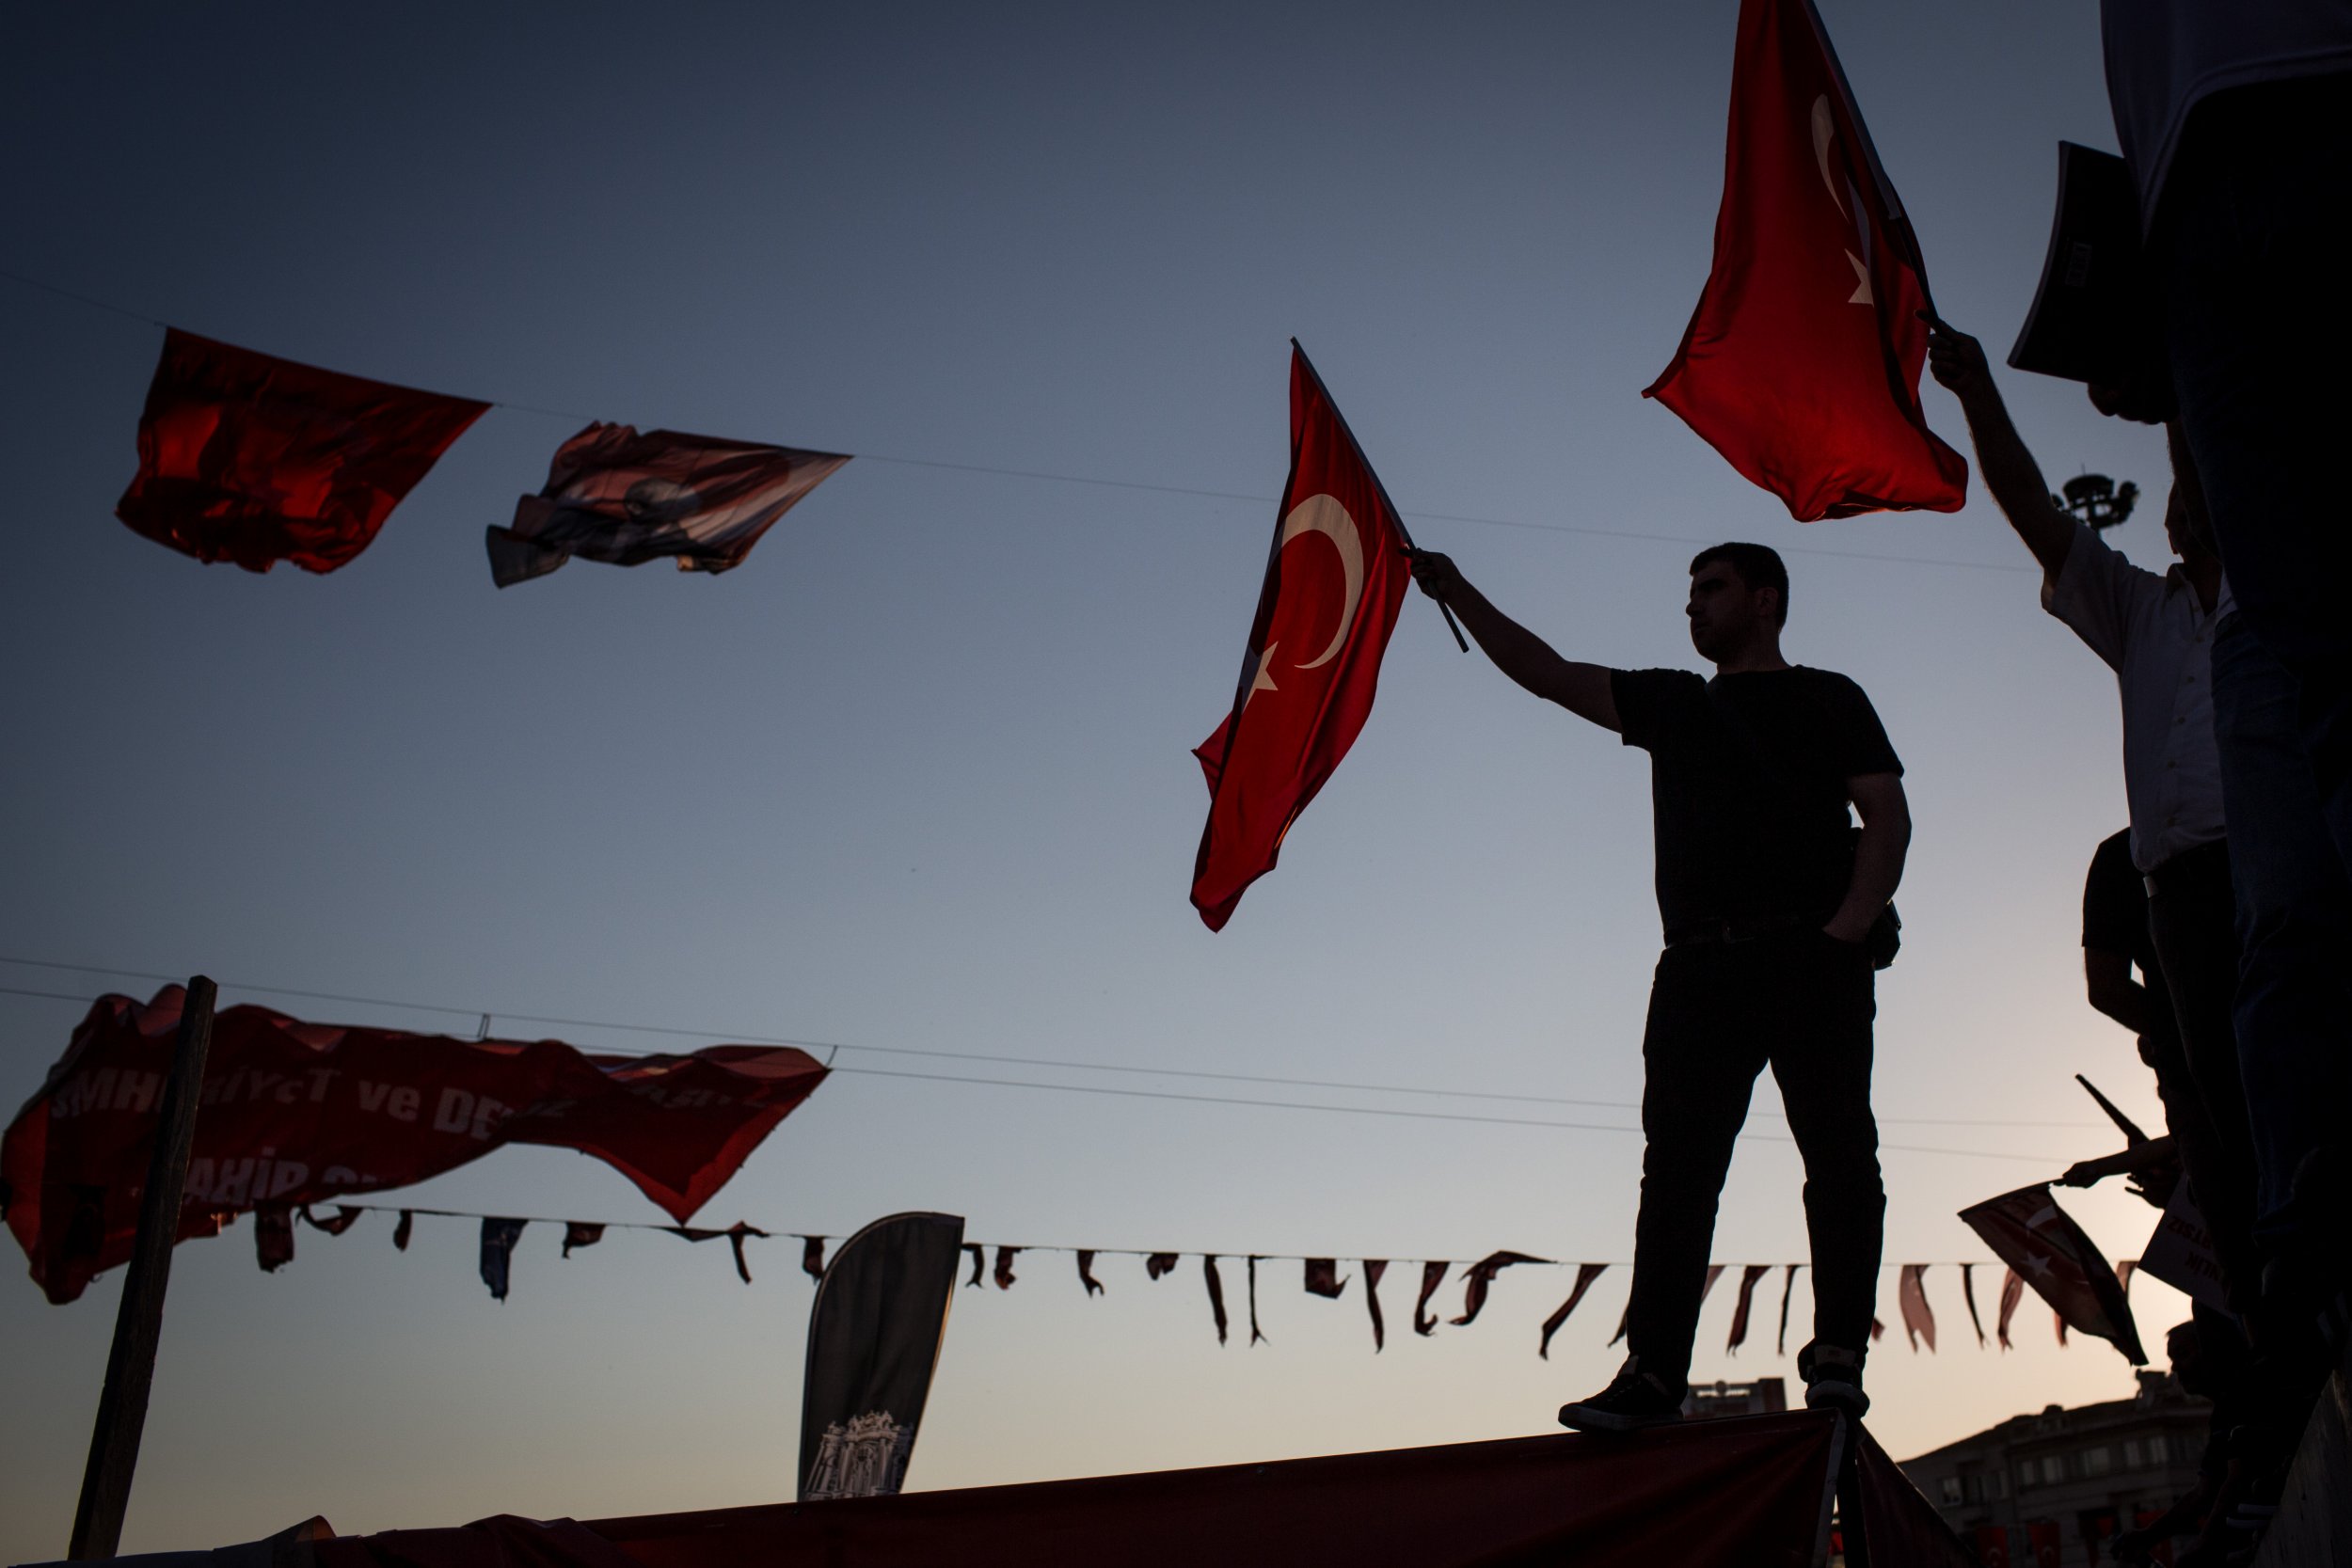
(1878,857)
(1527,658)
(2009,471)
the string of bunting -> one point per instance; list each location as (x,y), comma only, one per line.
(1321,1277)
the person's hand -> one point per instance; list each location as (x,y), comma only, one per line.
(2142,395)
(1956,360)
(1437,573)
(1840,931)
(2154,1186)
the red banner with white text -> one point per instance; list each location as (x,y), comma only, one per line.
(298,1113)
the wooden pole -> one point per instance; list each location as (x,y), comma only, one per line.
(114,1444)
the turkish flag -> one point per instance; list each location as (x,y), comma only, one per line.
(2050,1252)
(1334,584)
(1802,363)
(250,458)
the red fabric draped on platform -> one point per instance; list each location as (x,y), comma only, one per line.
(1745,1491)
(298,1113)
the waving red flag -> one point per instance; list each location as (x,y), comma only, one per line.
(250,458)
(2046,1249)
(1306,688)
(1802,363)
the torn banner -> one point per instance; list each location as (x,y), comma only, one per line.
(253,459)
(299,1112)
(615,496)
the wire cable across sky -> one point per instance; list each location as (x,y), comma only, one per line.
(834,1047)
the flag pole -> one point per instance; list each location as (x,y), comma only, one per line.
(1394,515)
(114,1445)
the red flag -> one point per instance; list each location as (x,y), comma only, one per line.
(2049,1251)
(1802,363)
(1322,622)
(254,459)
(302,1112)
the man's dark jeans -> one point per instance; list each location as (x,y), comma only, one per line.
(1719,1012)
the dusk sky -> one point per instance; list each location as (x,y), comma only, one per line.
(915,778)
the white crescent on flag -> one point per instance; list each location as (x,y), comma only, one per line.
(1324,514)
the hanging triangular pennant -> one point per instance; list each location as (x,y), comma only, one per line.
(499,1237)
(1480,1276)
(580,1233)
(1911,1294)
(736,1235)
(1748,1276)
(2012,1291)
(1255,1338)
(1322,1278)
(1585,1274)
(345,1216)
(273,1237)
(1374,1269)
(1086,1274)
(1968,1294)
(1216,1293)
(1431,1274)
(1788,1289)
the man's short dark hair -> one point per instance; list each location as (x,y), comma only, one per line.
(1757,565)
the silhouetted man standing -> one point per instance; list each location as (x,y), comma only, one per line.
(1775,912)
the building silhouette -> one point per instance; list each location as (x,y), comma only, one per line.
(2048,1491)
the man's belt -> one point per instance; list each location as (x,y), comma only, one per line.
(1700,933)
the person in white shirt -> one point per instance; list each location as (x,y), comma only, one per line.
(2156,630)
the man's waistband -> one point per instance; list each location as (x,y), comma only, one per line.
(1699,933)
(2201,868)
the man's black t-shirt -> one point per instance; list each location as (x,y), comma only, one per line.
(1748,787)
(2115,908)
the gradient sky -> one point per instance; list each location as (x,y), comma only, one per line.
(916,776)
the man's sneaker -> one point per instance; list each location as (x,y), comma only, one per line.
(1634,1399)
(1833,1379)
